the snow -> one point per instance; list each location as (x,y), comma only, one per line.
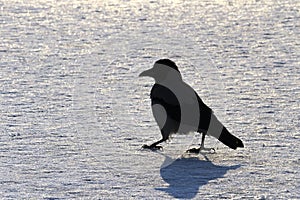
(74,113)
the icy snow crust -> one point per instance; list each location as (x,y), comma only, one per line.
(74,113)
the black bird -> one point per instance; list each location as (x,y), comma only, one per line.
(177,108)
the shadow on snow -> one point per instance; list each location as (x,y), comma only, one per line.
(186,175)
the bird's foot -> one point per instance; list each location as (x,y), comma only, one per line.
(201,149)
(193,150)
(152,147)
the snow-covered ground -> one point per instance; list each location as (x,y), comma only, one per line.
(74,113)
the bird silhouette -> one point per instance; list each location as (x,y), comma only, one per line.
(177,108)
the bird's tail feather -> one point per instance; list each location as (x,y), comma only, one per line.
(230,140)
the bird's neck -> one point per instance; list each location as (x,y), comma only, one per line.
(168,78)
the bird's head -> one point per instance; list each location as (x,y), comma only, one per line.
(163,69)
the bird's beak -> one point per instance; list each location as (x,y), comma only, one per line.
(148,72)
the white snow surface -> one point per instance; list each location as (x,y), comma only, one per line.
(74,113)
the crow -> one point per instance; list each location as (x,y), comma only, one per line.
(177,108)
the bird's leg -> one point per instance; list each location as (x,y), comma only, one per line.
(154,145)
(202,148)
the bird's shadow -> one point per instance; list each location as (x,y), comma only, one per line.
(186,175)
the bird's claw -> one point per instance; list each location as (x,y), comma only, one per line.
(193,150)
(153,148)
(198,150)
